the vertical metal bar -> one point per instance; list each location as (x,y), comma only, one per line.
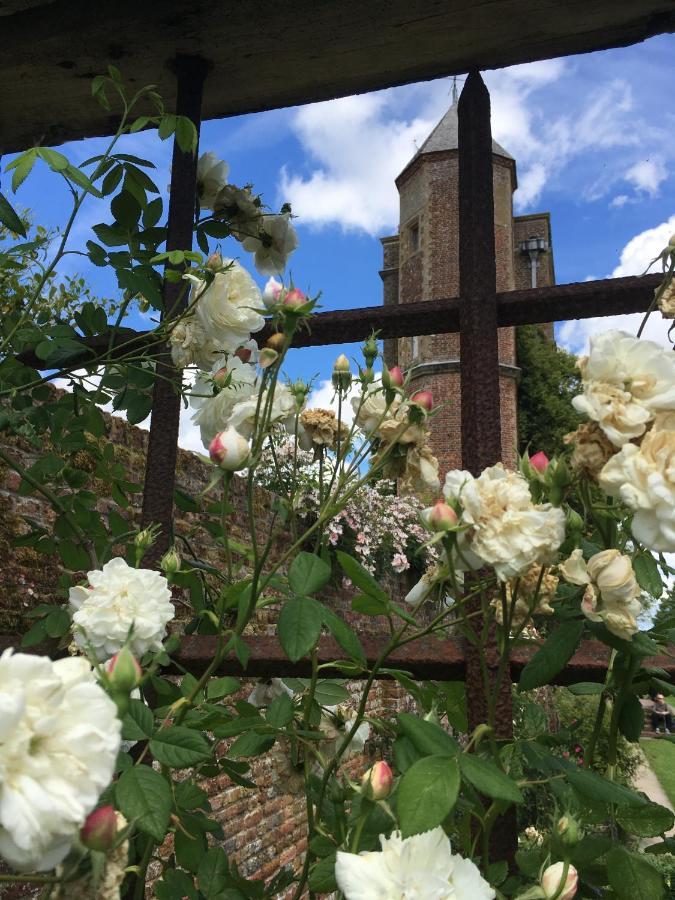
(479,372)
(160,465)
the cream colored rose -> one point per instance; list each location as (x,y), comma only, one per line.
(421,471)
(667,301)
(283,411)
(191,346)
(534,594)
(626,382)
(507,531)
(372,410)
(644,478)
(320,428)
(592,449)
(273,245)
(211,177)
(612,591)
(213,411)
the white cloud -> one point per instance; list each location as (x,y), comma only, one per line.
(647,175)
(619,201)
(634,259)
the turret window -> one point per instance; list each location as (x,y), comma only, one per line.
(414,237)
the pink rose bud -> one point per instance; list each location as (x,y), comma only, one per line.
(392,378)
(229,450)
(442,517)
(377,781)
(276,342)
(539,462)
(220,378)
(99,829)
(423,399)
(214,262)
(551,882)
(295,298)
(272,292)
(124,672)
(243,353)
(267,357)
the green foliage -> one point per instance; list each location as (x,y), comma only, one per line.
(548,382)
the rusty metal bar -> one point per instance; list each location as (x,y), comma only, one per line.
(160,465)
(424,659)
(580,300)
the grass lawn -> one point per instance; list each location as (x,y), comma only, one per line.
(661,757)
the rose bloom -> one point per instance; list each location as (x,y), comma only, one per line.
(283,411)
(211,177)
(626,382)
(421,471)
(239,207)
(534,596)
(592,449)
(276,242)
(421,867)
(667,301)
(190,345)
(550,882)
(372,410)
(644,478)
(228,309)
(213,411)
(115,599)
(59,739)
(612,591)
(319,427)
(508,531)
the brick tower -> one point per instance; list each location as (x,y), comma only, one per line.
(421,262)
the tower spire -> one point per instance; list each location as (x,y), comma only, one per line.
(454,90)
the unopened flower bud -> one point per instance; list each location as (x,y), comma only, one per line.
(442,517)
(392,378)
(370,351)
(123,671)
(214,262)
(539,461)
(244,354)
(276,341)
(100,829)
(267,357)
(294,299)
(568,830)
(342,376)
(229,450)
(551,882)
(145,539)
(423,399)
(170,562)
(300,390)
(221,377)
(377,782)
(573,520)
(272,292)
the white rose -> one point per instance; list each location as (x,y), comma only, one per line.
(59,739)
(264,692)
(551,882)
(276,241)
(642,375)
(239,207)
(229,450)
(272,292)
(508,531)
(115,599)
(228,309)
(190,345)
(667,301)
(214,410)
(421,867)
(372,410)
(211,177)
(421,471)
(644,478)
(283,411)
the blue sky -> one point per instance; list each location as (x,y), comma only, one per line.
(592,137)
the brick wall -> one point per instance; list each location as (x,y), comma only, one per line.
(263,827)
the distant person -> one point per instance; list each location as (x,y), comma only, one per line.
(662,716)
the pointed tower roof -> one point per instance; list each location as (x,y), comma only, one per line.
(445,136)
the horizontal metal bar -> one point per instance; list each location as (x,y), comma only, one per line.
(581,300)
(425,659)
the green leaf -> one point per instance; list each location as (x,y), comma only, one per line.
(427,793)
(22,166)
(360,577)
(36,634)
(144,797)
(632,877)
(647,574)
(167,126)
(9,218)
(427,737)
(488,779)
(552,657)
(280,711)
(330,693)
(649,820)
(631,718)
(56,161)
(213,874)
(595,787)
(222,687)
(322,876)
(345,635)
(74,556)
(455,706)
(176,885)
(299,626)
(369,606)
(308,574)
(139,407)
(179,747)
(252,743)
(186,134)
(57,623)
(138,723)
(189,848)
(585,688)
